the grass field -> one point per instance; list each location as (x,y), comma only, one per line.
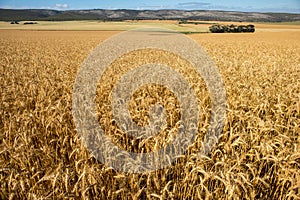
(128,25)
(103,26)
(258,156)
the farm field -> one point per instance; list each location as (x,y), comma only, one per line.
(103,26)
(133,24)
(257,157)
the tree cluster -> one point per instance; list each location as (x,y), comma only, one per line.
(218,28)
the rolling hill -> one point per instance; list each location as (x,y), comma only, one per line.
(123,14)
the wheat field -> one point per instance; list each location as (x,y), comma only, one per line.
(257,157)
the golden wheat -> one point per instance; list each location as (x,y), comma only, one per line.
(257,157)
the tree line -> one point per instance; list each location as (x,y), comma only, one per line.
(219,28)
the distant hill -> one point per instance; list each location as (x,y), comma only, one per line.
(99,14)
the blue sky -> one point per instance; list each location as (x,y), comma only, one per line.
(234,5)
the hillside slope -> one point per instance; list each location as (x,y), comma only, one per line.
(99,14)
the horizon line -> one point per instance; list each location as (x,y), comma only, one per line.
(55,9)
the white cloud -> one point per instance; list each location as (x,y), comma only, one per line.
(193,5)
(61,6)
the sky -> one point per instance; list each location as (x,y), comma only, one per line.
(290,6)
